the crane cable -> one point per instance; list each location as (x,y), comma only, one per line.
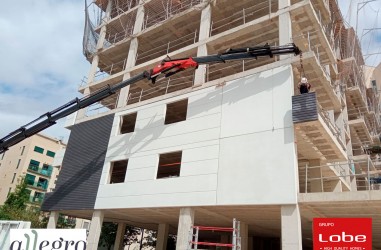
(302,74)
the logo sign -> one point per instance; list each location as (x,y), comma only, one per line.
(47,239)
(342,233)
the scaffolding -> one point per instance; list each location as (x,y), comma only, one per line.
(194,232)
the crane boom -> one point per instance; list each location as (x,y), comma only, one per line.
(166,68)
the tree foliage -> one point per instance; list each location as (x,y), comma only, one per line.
(15,207)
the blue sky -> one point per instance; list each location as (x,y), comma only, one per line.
(42,62)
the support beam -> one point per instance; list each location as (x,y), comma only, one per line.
(291,227)
(53,218)
(186,220)
(162,237)
(95,230)
(118,245)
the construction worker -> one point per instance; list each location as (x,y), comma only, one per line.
(304,86)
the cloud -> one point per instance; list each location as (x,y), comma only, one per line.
(42,61)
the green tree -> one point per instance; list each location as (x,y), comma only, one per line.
(108,235)
(15,207)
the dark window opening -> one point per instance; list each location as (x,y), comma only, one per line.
(176,112)
(128,123)
(29,179)
(38,150)
(169,165)
(118,171)
(50,153)
(18,163)
(22,150)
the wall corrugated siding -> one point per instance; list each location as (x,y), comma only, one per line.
(78,181)
(304,108)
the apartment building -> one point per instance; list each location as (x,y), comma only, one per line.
(30,159)
(229,140)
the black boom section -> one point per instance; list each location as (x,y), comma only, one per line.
(78,181)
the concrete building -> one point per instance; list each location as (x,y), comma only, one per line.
(31,159)
(232,140)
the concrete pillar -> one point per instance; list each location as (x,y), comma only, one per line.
(186,220)
(53,218)
(132,54)
(285,28)
(139,21)
(244,232)
(291,227)
(202,50)
(131,60)
(95,230)
(162,237)
(118,245)
(314,174)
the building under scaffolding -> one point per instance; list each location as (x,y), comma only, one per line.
(233,140)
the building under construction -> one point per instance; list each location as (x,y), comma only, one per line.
(226,141)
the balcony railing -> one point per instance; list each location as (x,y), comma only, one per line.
(39,185)
(355,176)
(34,199)
(36,169)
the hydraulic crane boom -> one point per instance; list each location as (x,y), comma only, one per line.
(166,68)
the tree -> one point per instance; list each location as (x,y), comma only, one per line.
(108,234)
(15,207)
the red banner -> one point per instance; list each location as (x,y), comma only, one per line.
(342,233)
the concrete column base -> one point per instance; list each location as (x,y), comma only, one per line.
(162,237)
(291,227)
(95,230)
(186,220)
(118,245)
(53,218)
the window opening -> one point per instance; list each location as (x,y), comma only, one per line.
(176,111)
(169,165)
(118,171)
(128,123)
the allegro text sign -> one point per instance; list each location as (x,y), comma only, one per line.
(47,239)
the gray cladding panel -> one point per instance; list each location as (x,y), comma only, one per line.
(304,108)
(78,180)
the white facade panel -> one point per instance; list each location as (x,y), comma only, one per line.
(257,141)
(242,131)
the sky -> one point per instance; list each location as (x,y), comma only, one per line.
(42,61)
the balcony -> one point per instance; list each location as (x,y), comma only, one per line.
(327,92)
(36,199)
(317,136)
(42,184)
(314,31)
(46,170)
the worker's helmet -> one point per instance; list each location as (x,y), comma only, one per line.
(304,80)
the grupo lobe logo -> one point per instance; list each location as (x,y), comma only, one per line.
(47,239)
(342,233)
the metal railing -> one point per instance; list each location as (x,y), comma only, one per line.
(152,16)
(45,172)
(243,16)
(335,130)
(167,48)
(162,87)
(357,175)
